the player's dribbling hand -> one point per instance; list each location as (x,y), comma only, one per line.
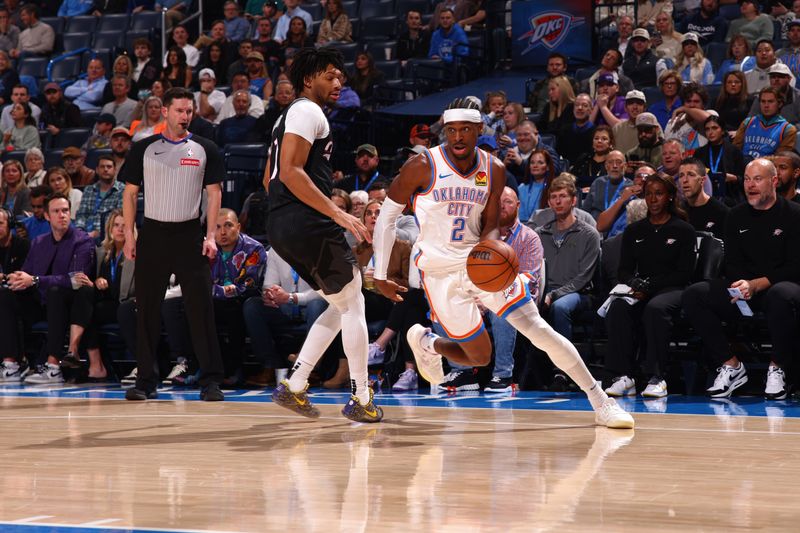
(390,289)
(353,225)
(209,248)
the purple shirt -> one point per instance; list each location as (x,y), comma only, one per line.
(618,110)
(244,268)
(53,260)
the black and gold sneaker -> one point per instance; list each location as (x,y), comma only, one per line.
(294,401)
(356,412)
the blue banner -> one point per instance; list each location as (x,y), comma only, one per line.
(541,27)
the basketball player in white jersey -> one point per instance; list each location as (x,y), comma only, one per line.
(455,192)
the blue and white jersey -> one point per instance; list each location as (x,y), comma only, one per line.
(449,211)
(763,138)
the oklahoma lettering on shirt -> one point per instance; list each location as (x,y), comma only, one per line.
(173,174)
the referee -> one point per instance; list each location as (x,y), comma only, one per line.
(173,167)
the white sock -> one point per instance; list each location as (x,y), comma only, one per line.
(319,337)
(527,321)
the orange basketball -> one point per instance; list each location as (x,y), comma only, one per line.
(492,265)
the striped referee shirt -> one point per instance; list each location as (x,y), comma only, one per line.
(173,174)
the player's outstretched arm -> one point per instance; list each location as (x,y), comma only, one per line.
(294,154)
(490,220)
(414,176)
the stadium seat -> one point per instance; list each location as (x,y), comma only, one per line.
(585,73)
(378,28)
(76,41)
(57,23)
(33,66)
(66,68)
(93,155)
(716,52)
(373,9)
(31,83)
(349,50)
(89,118)
(316,11)
(378,50)
(245,157)
(83,24)
(117,23)
(17,155)
(549,139)
(391,69)
(53,158)
(356,23)
(653,94)
(70,137)
(730,11)
(146,20)
(108,39)
(351,8)
(404,6)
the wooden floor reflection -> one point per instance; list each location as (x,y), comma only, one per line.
(253,467)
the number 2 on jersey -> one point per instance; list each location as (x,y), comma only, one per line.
(457,235)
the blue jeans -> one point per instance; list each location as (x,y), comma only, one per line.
(505,338)
(564,309)
(264,324)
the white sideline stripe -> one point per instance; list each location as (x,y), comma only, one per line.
(122,528)
(554,400)
(100,522)
(31,519)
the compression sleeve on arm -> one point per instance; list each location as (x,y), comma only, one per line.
(384,235)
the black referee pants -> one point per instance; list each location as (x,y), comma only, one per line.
(164,248)
(707,304)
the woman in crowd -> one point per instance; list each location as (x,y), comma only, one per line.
(214,58)
(358,201)
(377,306)
(671,84)
(592,165)
(152,122)
(113,284)
(724,161)
(658,256)
(666,40)
(365,76)
(23,134)
(123,66)
(733,103)
(534,191)
(59,181)
(34,166)
(513,115)
(14,194)
(691,62)
(177,73)
(336,26)
(752,25)
(558,112)
(342,200)
(739,58)
(297,37)
(648,11)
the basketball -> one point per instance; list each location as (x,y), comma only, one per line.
(492,265)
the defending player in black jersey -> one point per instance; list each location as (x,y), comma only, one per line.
(307,230)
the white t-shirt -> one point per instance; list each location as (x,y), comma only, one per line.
(215,99)
(306,119)
(192,56)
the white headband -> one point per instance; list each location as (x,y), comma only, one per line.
(462,115)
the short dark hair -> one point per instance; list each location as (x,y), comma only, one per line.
(699,166)
(762,41)
(55,196)
(378,185)
(692,88)
(106,157)
(21,86)
(310,62)
(246,41)
(558,55)
(41,190)
(773,91)
(177,93)
(141,41)
(791,156)
(31,9)
(123,78)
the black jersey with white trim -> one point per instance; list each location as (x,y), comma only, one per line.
(305,119)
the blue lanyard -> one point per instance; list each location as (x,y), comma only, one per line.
(714,164)
(608,202)
(114,262)
(372,179)
(296,278)
(513,235)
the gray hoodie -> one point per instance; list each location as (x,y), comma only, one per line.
(570,266)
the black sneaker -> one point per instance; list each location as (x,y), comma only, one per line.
(498,384)
(559,384)
(212,393)
(71,360)
(460,380)
(135,394)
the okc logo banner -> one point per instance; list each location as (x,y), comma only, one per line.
(549,29)
(540,27)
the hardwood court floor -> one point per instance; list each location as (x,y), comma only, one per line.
(187,465)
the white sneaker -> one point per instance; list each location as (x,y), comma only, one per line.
(176,376)
(622,386)
(10,371)
(376,355)
(46,373)
(407,381)
(429,363)
(656,388)
(728,380)
(776,384)
(612,415)
(130,379)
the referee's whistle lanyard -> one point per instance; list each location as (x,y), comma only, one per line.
(613,199)
(371,180)
(714,164)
